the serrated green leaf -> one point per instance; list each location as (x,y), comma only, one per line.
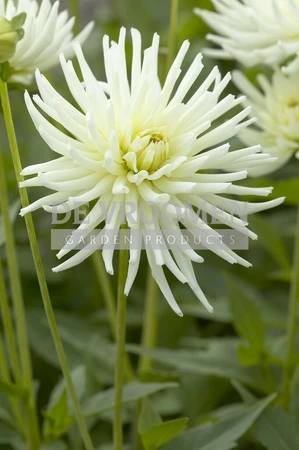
(221,435)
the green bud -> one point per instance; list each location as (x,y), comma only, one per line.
(9,38)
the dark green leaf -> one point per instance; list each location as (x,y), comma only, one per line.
(246,317)
(277,430)
(217,357)
(104,401)
(221,435)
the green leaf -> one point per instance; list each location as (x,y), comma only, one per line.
(153,431)
(14,211)
(246,317)
(270,238)
(277,430)
(149,417)
(13,390)
(163,433)
(221,435)
(216,357)
(11,437)
(104,401)
(58,419)
(287,188)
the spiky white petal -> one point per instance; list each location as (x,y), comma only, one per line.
(47,33)
(144,144)
(255,32)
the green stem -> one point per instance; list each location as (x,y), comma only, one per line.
(110,303)
(120,354)
(3,365)
(39,268)
(150,321)
(292,322)
(9,330)
(74,9)
(19,313)
(172,32)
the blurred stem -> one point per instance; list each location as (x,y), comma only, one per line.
(19,313)
(150,321)
(6,378)
(9,330)
(120,346)
(39,268)
(110,303)
(74,9)
(172,32)
(292,322)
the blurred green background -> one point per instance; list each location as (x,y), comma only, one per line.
(206,352)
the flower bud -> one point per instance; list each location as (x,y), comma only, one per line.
(9,38)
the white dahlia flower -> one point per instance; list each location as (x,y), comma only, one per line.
(143,143)
(276,107)
(47,33)
(255,31)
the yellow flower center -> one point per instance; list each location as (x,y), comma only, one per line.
(148,151)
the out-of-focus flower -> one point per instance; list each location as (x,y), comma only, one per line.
(143,144)
(255,32)
(276,107)
(47,33)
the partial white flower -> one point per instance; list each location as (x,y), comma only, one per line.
(48,32)
(255,31)
(276,107)
(144,144)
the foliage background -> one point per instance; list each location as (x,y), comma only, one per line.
(210,356)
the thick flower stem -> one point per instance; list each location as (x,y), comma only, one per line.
(39,268)
(110,303)
(120,353)
(11,347)
(292,322)
(172,32)
(150,321)
(19,313)
(74,9)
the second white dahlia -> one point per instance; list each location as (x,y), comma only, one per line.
(47,33)
(146,144)
(255,31)
(276,107)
